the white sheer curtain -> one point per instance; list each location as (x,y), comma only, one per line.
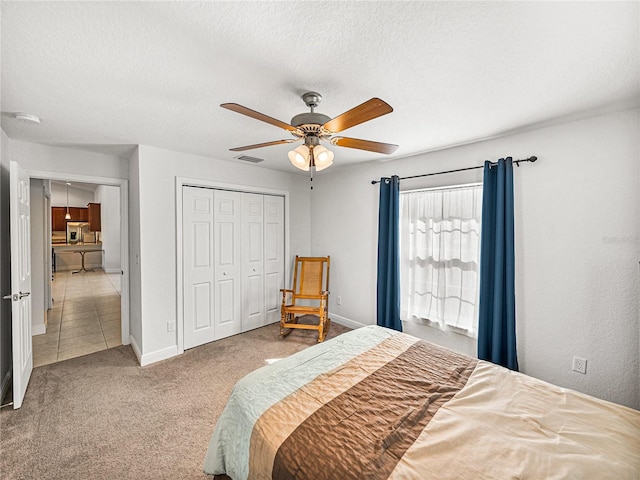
(440,256)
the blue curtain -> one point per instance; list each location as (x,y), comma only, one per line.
(497,321)
(389,254)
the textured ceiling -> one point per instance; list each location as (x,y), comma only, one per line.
(107,75)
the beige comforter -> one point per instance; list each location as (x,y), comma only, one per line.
(402,408)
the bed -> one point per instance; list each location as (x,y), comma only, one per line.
(373,403)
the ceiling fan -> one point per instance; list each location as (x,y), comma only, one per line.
(314,127)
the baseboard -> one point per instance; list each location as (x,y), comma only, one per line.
(6,383)
(347,322)
(153,357)
(39,329)
(136,348)
(112,270)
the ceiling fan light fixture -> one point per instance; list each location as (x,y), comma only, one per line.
(314,127)
(323,157)
(299,157)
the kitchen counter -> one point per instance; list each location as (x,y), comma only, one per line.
(65,255)
(69,247)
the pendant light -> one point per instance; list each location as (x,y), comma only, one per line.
(68,215)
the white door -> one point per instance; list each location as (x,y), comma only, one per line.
(227,268)
(20,282)
(274,255)
(253,315)
(197,234)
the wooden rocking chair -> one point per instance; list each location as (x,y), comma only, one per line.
(308,288)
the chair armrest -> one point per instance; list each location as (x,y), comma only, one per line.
(284,292)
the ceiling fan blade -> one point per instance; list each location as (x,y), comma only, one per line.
(378,147)
(234,107)
(369,110)
(259,145)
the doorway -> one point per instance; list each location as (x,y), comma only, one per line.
(79,281)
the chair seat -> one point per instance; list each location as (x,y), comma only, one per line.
(302,309)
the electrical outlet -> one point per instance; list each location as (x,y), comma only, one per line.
(171,326)
(579,365)
(339,301)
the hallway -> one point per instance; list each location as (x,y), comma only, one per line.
(85,317)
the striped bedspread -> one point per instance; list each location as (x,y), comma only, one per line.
(376,404)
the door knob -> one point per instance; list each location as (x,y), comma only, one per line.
(15,297)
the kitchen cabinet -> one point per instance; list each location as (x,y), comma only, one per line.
(79,214)
(59,223)
(94,217)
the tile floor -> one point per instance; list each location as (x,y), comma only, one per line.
(85,317)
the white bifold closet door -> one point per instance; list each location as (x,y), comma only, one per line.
(233,262)
(197,259)
(227,268)
(273,256)
(253,314)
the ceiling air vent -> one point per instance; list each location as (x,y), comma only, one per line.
(247,158)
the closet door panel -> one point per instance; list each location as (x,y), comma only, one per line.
(253,308)
(274,255)
(198,297)
(227,267)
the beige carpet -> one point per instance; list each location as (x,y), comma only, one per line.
(102,416)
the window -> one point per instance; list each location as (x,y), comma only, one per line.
(440,256)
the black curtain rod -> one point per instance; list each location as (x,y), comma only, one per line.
(532,158)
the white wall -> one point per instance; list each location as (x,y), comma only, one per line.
(109,199)
(577,246)
(78,197)
(158,170)
(35,157)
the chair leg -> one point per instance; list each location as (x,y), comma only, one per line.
(283,317)
(321,328)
